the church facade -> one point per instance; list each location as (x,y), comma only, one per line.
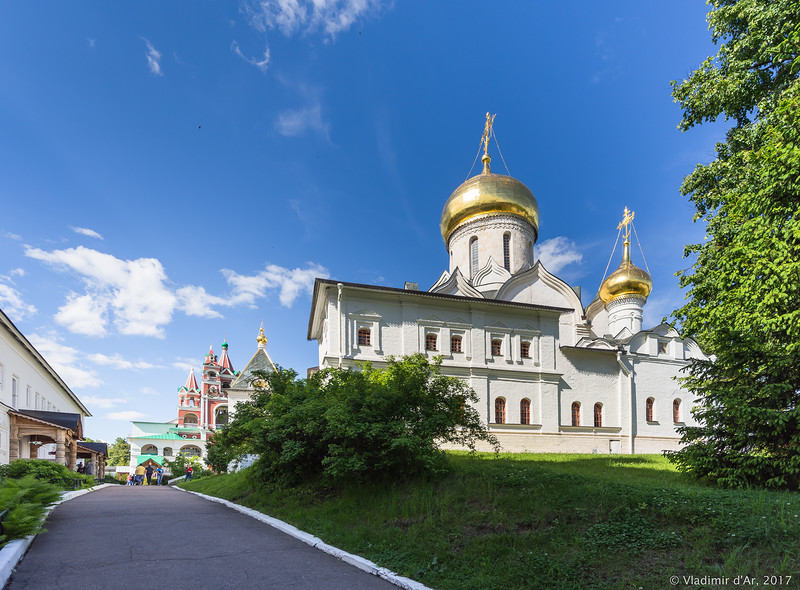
(550,374)
(202,408)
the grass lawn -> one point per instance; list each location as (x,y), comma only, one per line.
(546,521)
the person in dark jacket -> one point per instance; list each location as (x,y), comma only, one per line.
(149,473)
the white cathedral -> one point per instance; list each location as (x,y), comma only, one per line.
(550,374)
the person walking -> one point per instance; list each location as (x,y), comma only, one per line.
(159,475)
(189,472)
(149,473)
(139,475)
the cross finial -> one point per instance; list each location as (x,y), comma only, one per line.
(487,131)
(627,219)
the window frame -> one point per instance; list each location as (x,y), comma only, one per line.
(525,411)
(431,337)
(598,415)
(676,411)
(575,412)
(650,409)
(456,343)
(499,410)
(364,336)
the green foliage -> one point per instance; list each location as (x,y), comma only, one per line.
(46,471)
(177,466)
(743,303)
(352,425)
(542,521)
(25,499)
(119,453)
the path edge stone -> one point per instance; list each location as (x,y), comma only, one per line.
(15,550)
(354,560)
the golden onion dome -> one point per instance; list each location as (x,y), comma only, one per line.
(488,194)
(628,279)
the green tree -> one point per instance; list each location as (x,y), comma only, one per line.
(743,300)
(119,453)
(354,424)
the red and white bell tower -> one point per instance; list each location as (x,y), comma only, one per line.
(205,407)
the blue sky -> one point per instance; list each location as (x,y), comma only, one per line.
(172,174)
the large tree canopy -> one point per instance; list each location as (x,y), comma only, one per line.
(119,452)
(743,301)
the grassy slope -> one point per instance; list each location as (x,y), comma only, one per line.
(554,521)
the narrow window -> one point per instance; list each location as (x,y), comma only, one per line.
(500,411)
(473,257)
(14,392)
(662,348)
(497,346)
(430,341)
(507,251)
(648,409)
(525,350)
(598,415)
(455,344)
(576,414)
(525,411)
(36,399)
(363,336)
(28,396)
(676,410)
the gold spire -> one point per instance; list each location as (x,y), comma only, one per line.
(487,133)
(488,194)
(628,279)
(262,340)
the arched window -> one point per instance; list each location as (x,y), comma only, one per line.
(149,450)
(525,349)
(507,251)
(497,347)
(576,414)
(500,411)
(473,257)
(221,415)
(191,451)
(363,336)
(430,341)
(190,419)
(525,411)
(648,409)
(598,415)
(676,410)
(455,344)
(168,451)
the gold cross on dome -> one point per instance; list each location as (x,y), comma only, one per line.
(627,219)
(487,131)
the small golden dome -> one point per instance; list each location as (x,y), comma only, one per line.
(628,279)
(488,194)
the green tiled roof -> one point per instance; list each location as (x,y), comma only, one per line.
(168,436)
(143,458)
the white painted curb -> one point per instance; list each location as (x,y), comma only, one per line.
(15,550)
(359,562)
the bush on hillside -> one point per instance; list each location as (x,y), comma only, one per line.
(46,471)
(25,499)
(347,424)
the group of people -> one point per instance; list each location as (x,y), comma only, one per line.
(87,469)
(137,478)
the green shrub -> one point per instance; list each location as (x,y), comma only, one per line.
(25,499)
(343,425)
(46,471)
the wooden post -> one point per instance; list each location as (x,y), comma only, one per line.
(61,456)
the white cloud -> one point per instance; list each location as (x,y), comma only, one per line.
(11,302)
(66,361)
(91,41)
(153,58)
(246,289)
(556,253)
(117,361)
(125,416)
(133,290)
(132,295)
(261,65)
(149,391)
(309,16)
(17,272)
(86,232)
(102,402)
(84,314)
(295,122)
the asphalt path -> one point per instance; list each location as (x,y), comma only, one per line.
(148,537)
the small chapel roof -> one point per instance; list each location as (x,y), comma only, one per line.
(260,362)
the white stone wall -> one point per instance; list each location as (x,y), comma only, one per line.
(489,232)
